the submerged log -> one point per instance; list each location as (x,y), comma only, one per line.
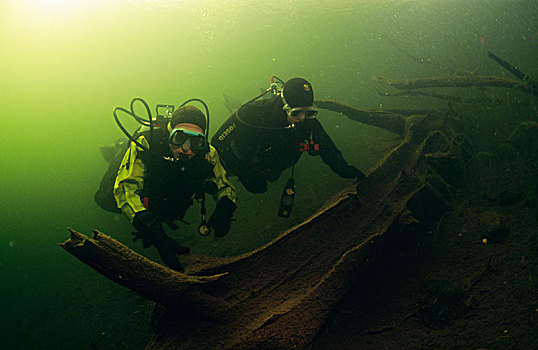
(134,271)
(514,70)
(456,81)
(428,94)
(390,121)
(279,295)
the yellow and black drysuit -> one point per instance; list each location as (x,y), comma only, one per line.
(151,187)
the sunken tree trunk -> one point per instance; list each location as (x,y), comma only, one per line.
(279,295)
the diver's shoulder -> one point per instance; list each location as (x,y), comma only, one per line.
(264,107)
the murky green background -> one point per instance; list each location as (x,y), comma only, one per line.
(64,66)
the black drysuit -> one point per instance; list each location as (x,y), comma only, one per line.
(256,144)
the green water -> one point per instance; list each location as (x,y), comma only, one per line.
(64,66)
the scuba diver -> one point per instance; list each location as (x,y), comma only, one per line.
(268,135)
(161,171)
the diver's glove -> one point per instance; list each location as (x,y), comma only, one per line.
(222,216)
(150,231)
(145,223)
(354,173)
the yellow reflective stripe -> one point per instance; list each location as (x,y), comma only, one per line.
(130,181)
(224,186)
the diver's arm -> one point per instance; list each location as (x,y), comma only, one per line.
(130,181)
(331,155)
(225,196)
(224,187)
(223,141)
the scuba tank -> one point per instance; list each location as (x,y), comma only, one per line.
(273,90)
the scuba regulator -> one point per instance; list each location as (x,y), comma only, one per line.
(163,117)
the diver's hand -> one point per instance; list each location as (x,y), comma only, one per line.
(355,173)
(151,232)
(169,249)
(222,216)
(145,223)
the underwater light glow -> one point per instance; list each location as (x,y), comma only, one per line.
(44,10)
(55,2)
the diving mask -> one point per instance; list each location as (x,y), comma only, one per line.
(309,112)
(298,114)
(178,137)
